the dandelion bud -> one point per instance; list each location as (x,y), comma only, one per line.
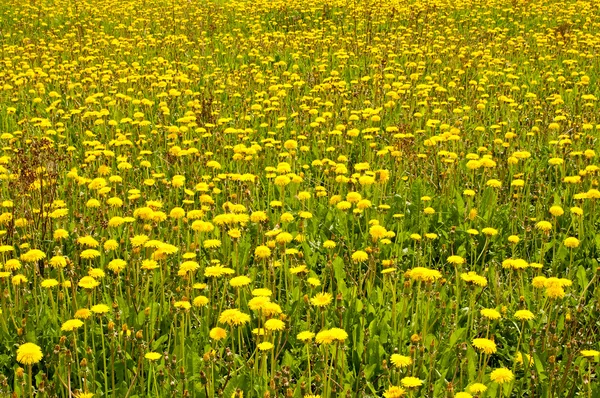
(20,372)
(203,376)
(267,394)
(289,393)
(20,331)
(551,359)
(111,326)
(147,311)
(83,363)
(62,340)
(124,328)
(415,338)
(139,335)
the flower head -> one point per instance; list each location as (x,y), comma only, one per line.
(590,353)
(100,309)
(29,354)
(87,282)
(71,325)
(524,315)
(321,299)
(502,375)
(274,324)
(359,256)
(152,356)
(401,361)
(457,260)
(234,317)
(490,313)
(331,335)
(394,392)
(411,382)
(477,388)
(305,336)
(217,333)
(485,345)
(571,242)
(265,346)
(33,255)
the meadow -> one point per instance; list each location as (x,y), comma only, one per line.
(309,198)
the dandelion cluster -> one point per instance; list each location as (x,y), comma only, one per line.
(299,198)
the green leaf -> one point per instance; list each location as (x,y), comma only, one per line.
(288,359)
(472,364)
(338,269)
(230,388)
(457,335)
(582,277)
(359,305)
(141,318)
(370,370)
(460,204)
(242,382)
(30,337)
(340,275)
(358,340)
(539,366)
(157,343)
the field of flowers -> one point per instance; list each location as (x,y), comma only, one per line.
(309,198)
